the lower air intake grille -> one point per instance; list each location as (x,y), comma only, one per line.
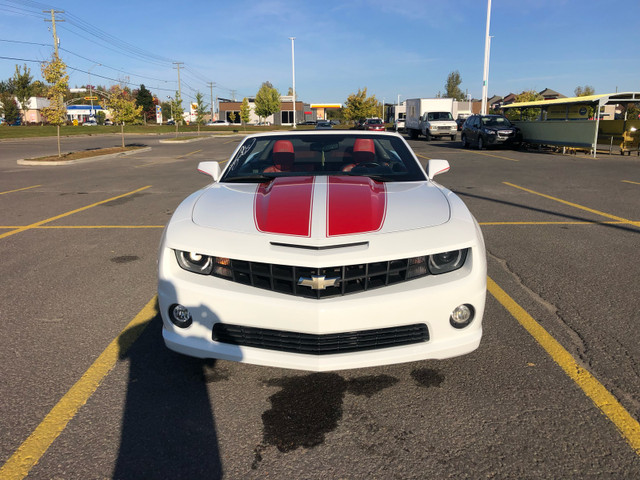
(294,342)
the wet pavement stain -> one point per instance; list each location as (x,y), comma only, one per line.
(123,200)
(426,377)
(308,407)
(125,259)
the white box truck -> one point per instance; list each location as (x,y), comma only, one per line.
(431,117)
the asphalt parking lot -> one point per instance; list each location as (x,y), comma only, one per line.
(88,389)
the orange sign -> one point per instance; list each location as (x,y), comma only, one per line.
(91,98)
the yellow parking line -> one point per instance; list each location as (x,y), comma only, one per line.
(190,153)
(20,189)
(552,223)
(423,156)
(628,427)
(575,205)
(35,446)
(492,155)
(54,227)
(57,217)
(629,181)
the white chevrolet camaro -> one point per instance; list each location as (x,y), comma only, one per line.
(322,250)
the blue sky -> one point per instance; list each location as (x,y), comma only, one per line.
(392,48)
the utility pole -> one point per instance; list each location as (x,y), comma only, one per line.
(179,86)
(233,95)
(487,49)
(293,71)
(53,24)
(211,84)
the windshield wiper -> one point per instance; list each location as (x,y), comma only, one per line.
(254,178)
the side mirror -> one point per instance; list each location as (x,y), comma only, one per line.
(210,168)
(436,167)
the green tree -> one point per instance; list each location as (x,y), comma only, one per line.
(100,117)
(166,111)
(525,113)
(267,100)
(123,108)
(232,117)
(201,110)
(7,86)
(144,99)
(9,108)
(245,112)
(55,73)
(452,87)
(584,91)
(22,82)
(178,110)
(358,106)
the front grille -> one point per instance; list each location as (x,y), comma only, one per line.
(294,342)
(505,133)
(351,278)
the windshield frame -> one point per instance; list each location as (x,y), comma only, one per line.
(395,160)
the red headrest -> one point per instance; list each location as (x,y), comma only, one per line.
(283,156)
(364,145)
(282,146)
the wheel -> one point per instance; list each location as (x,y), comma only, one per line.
(480,143)
(427,135)
(465,143)
(453,138)
(413,134)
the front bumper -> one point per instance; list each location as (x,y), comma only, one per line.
(429,300)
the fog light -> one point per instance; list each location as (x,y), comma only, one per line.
(462,316)
(180,315)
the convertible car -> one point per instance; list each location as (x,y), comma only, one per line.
(322,250)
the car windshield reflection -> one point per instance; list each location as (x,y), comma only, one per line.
(383,158)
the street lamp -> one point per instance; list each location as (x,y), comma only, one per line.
(91,114)
(293,70)
(487,49)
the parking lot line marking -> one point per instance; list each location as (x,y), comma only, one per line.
(492,155)
(34,447)
(190,153)
(423,156)
(575,205)
(19,189)
(552,223)
(629,181)
(628,427)
(57,217)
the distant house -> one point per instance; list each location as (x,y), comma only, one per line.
(33,114)
(511,98)
(548,94)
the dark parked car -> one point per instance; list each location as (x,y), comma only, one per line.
(308,122)
(487,130)
(323,125)
(460,121)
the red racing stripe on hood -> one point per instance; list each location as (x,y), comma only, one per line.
(355,205)
(284,206)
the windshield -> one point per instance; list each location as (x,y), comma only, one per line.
(374,121)
(434,116)
(495,122)
(383,158)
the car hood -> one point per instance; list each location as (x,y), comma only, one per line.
(321,207)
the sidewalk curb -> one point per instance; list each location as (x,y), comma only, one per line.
(81,160)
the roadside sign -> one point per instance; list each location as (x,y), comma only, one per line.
(91,98)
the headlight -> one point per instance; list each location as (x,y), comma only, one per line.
(487,131)
(195,262)
(447,261)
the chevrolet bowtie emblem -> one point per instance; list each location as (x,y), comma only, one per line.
(318,282)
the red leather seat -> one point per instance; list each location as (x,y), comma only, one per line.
(364,151)
(283,157)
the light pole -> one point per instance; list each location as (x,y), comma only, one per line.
(293,70)
(91,88)
(397,115)
(487,49)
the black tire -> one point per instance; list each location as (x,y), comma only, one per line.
(427,135)
(453,138)
(480,143)
(465,144)
(413,134)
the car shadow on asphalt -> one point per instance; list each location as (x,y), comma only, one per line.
(168,427)
(629,227)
